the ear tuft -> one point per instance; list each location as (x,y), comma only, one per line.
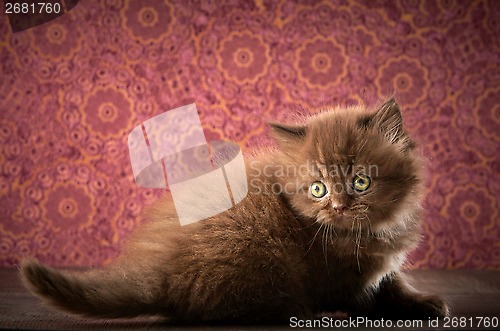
(389,120)
(288,133)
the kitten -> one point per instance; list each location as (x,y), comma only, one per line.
(326,225)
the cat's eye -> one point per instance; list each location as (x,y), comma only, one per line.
(318,189)
(361,182)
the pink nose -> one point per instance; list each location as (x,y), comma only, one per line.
(339,208)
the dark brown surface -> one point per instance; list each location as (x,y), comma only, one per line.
(470,293)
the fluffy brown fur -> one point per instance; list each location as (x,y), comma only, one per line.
(281,252)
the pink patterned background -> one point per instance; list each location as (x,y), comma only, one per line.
(72,89)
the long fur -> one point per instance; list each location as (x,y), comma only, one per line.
(276,254)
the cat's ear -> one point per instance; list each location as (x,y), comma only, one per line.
(389,121)
(286,133)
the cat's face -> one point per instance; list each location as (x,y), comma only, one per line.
(358,170)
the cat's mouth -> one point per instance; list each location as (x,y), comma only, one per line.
(346,220)
(345,217)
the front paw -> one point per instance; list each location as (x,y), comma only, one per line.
(429,307)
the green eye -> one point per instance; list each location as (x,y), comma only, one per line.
(361,182)
(318,189)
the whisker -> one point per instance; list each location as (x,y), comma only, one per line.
(325,244)
(332,230)
(370,229)
(308,226)
(358,244)
(314,238)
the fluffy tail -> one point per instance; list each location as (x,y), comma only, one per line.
(108,293)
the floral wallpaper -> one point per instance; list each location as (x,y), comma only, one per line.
(73,88)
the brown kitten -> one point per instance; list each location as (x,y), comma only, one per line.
(326,225)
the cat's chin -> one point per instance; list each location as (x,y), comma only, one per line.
(340,218)
(350,220)
(345,221)
(336,220)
